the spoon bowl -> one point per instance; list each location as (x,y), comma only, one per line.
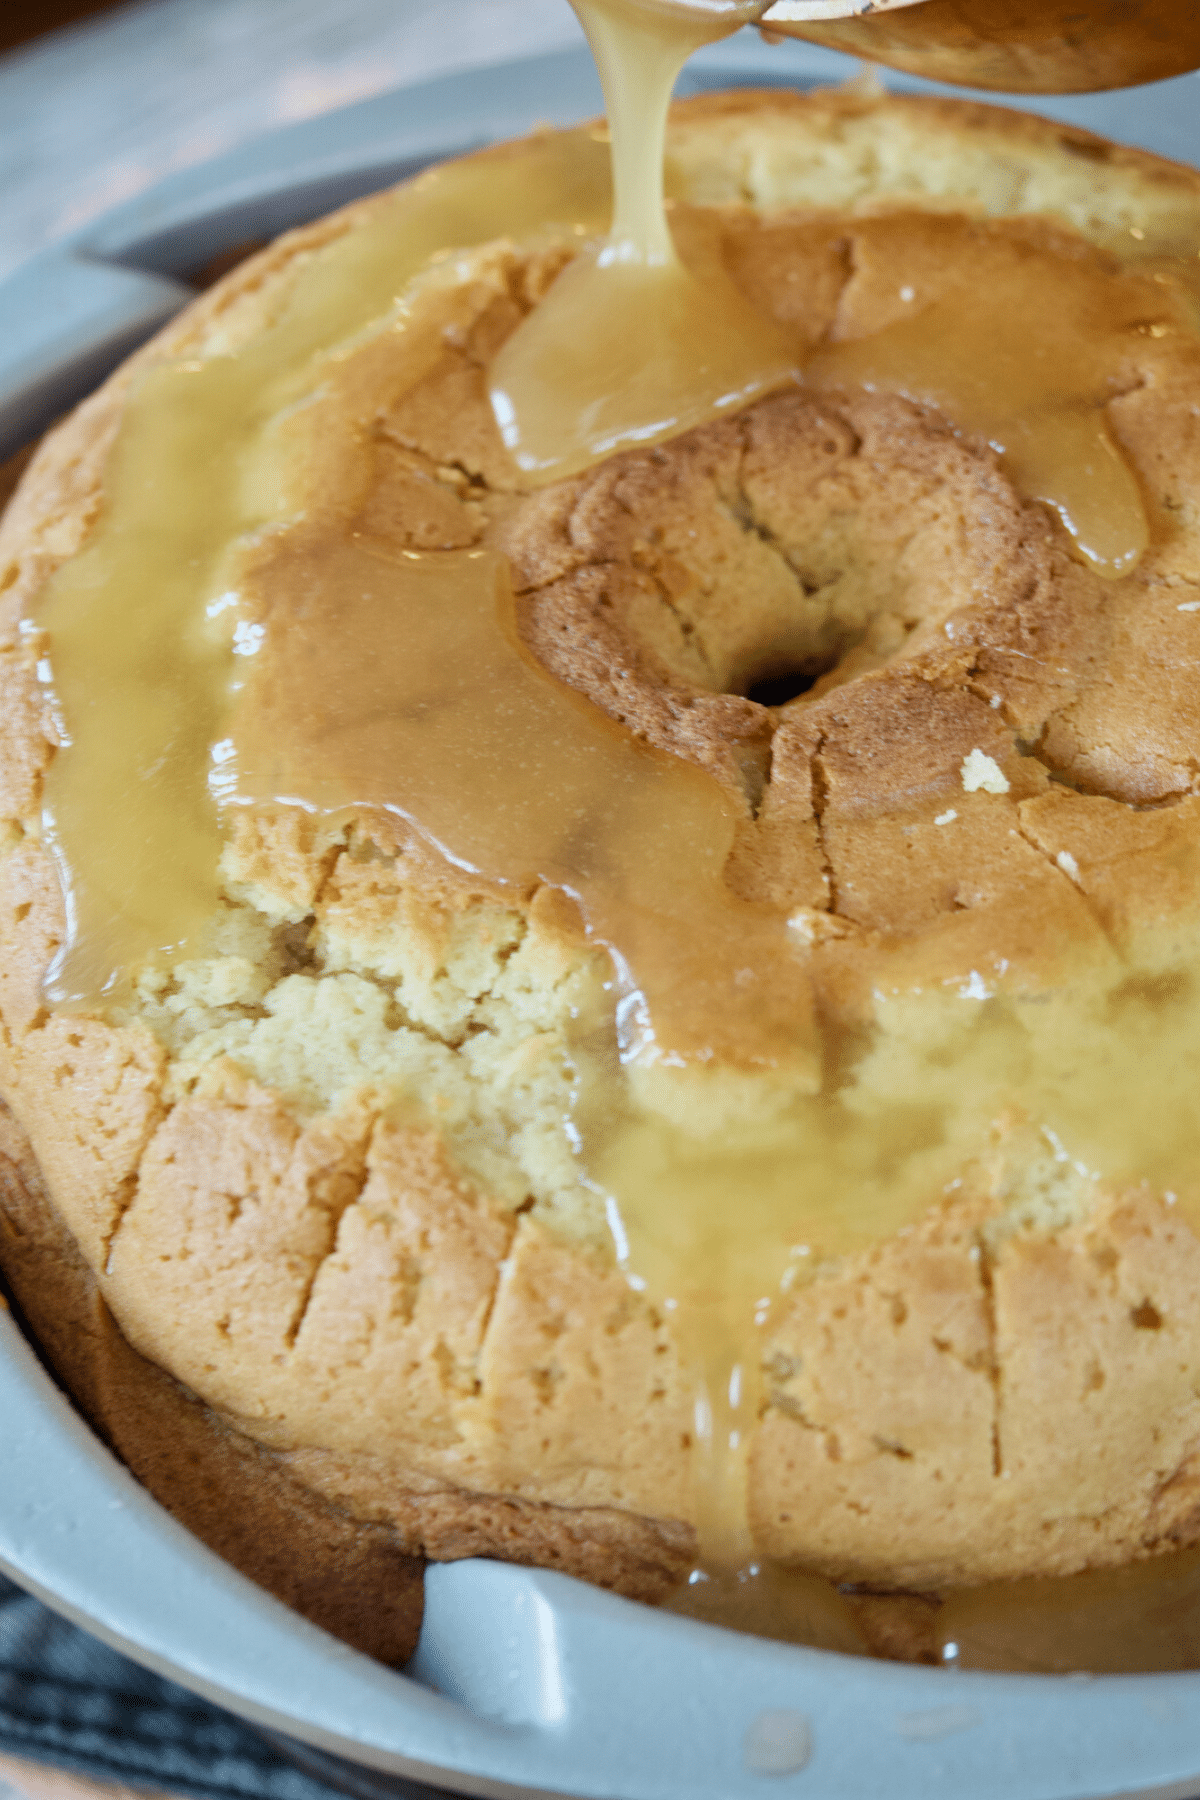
(1010,46)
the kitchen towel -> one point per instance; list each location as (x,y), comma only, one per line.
(67,1699)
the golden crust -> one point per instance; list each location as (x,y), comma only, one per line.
(401,1332)
(1040,1393)
(337,1538)
(355,1579)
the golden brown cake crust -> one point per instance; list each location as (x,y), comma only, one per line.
(327,1536)
(410,1348)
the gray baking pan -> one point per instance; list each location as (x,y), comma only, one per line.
(524,1682)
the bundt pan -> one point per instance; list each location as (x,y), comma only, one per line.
(524,1682)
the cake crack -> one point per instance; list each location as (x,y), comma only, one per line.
(1061,868)
(987,1292)
(355,1187)
(820,801)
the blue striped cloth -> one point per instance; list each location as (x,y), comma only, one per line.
(69,1700)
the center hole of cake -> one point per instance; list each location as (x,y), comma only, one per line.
(778,682)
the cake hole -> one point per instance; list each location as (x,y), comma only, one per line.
(1147,1317)
(776,686)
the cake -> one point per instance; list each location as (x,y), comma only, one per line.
(295,1213)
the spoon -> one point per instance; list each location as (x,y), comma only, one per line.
(1014,46)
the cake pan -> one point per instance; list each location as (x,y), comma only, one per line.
(524,1682)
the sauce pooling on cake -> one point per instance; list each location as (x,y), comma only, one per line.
(395,679)
(636,342)
(633,345)
(517,777)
